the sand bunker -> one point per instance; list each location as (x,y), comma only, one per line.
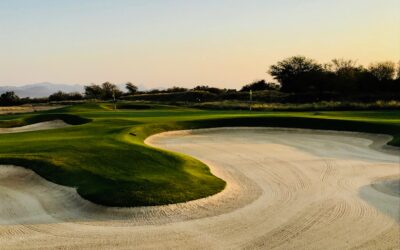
(35,127)
(298,189)
(388,186)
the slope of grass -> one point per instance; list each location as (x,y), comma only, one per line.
(109,166)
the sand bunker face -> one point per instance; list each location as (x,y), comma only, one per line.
(388,186)
(35,127)
(286,189)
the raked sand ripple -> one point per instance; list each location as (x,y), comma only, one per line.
(286,189)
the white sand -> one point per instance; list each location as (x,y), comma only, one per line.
(287,189)
(35,127)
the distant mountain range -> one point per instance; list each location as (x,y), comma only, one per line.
(44,89)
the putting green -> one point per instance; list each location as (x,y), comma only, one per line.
(105,158)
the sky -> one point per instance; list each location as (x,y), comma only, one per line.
(164,43)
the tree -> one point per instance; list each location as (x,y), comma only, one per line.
(342,66)
(297,74)
(105,92)
(58,96)
(93,91)
(175,89)
(110,91)
(383,71)
(154,91)
(398,71)
(347,76)
(9,98)
(62,96)
(258,86)
(75,96)
(208,89)
(132,89)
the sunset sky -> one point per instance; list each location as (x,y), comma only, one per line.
(161,43)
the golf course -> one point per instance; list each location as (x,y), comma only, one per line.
(222,124)
(104,156)
(195,178)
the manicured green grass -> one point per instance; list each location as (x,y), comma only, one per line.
(111,167)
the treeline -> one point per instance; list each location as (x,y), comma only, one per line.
(298,80)
(301,80)
(9,98)
(300,74)
(108,91)
(105,91)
